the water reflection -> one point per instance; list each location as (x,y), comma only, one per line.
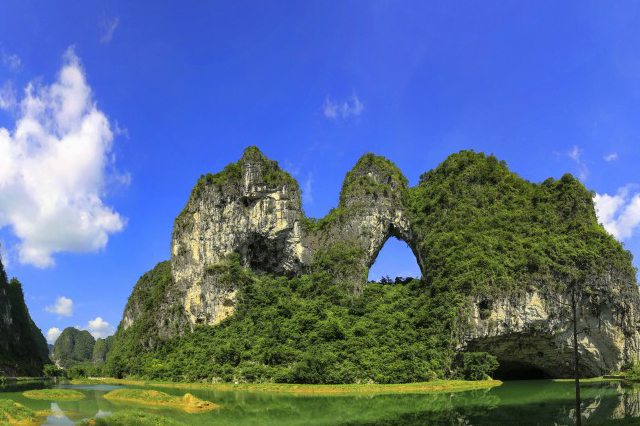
(539,403)
(57,416)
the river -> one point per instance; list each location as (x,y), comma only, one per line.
(520,403)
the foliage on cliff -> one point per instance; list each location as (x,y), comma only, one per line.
(478,228)
(101,349)
(485,230)
(229,180)
(305,329)
(23,348)
(73,347)
(147,301)
(372,178)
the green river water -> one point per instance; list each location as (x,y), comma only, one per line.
(522,403)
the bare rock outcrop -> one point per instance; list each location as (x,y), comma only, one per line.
(253,209)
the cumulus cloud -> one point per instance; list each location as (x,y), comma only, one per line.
(611,157)
(619,213)
(53,169)
(342,109)
(576,155)
(52,334)
(12,62)
(99,328)
(108,27)
(62,307)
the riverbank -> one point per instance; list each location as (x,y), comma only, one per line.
(595,379)
(424,387)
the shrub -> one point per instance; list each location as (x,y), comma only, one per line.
(476,366)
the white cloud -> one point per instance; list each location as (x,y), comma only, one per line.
(620,213)
(63,307)
(53,169)
(13,62)
(611,157)
(52,334)
(342,109)
(7,96)
(108,27)
(307,194)
(575,154)
(99,328)
(4,256)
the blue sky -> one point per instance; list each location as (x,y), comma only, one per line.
(129,102)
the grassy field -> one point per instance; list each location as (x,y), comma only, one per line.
(426,387)
(53,394)
(131,418)
(13,413)
(188,402)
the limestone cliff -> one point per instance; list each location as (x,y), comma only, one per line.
(252,208)
(23,348)
(532,330)
(505,251)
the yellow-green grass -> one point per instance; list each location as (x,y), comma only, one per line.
(53,394)
(592,379)
(424,387)
(129,418)
(12,413)
(108,381)
(188,402)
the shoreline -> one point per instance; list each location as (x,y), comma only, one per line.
(436,386)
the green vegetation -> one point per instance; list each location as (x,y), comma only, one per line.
(52,371)
(230,180)
(481,230)
(486,230)
(23,348)
(53,394)
(360,189)
(188,402)
(13,413)
(300,330)
(360,181)
(100,350)
(476,366)
(73,347)
(434,386)
(131,418)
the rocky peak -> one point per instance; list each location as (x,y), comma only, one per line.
(501,246)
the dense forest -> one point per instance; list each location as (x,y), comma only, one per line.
(23,348)
(485,231)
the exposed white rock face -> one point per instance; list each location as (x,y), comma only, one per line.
(252,216)
(534,330)
(254,209)
(259,215)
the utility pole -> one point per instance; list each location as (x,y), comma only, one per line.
(575,354)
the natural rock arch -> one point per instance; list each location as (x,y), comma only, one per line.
(254,209)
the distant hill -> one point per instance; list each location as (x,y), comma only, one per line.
(23,348)
(73,347)
(100,350)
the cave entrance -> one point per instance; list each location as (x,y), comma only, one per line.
(394,260)
(514,370)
